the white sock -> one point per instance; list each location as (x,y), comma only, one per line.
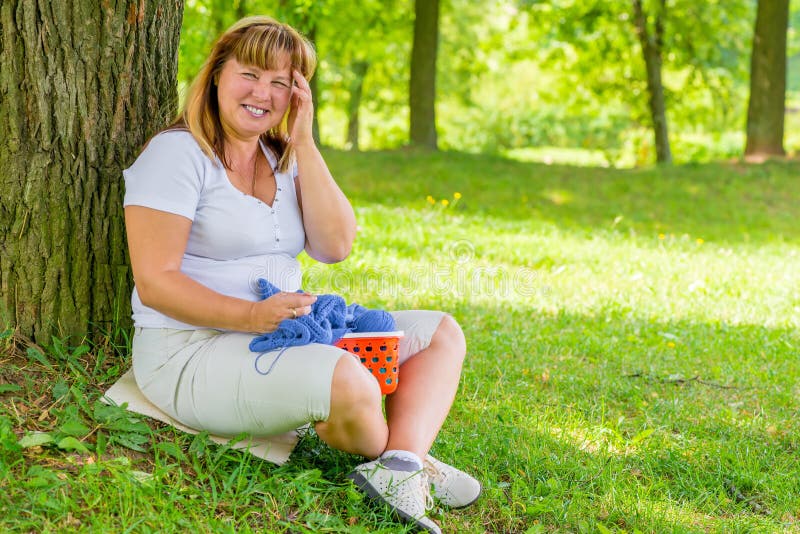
(400,460)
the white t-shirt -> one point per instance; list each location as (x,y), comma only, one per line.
(235,238)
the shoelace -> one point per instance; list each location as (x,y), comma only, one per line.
(434,473)
(425,487)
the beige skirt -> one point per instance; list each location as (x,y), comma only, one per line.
(207,379)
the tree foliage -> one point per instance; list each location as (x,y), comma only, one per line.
(519,73)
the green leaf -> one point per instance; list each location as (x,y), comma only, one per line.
(35,439)
(641,436)
(80,351)
(170,449)
(71,444)
(60,389)
(101,444)
(73,427)
(6,334)
(36,354)
(131,441)
(5,388)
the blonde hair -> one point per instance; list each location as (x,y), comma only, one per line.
(259,41)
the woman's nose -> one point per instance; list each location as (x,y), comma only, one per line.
(262,91)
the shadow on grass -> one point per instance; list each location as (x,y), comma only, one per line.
(722,202)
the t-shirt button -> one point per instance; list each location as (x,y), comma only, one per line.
(272,211)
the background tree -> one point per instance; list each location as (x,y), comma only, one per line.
(652,42)
(767,104)
(365,45)
(584,67)
(83,85)
(422,86)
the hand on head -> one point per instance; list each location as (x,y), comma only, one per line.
(301,112)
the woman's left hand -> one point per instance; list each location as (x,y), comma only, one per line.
(301,115)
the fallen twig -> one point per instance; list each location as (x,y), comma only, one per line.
(681,380)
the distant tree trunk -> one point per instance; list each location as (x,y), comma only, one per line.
(218,10)
(652,50)
(422,90)
(241,9)
(359,69)
(83,85)
(767,106)
(314,85)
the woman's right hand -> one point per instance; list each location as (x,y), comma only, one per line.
(267,314)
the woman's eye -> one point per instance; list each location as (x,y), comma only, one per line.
(249,75)
(282,85)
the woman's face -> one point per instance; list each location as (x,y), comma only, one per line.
(251,100)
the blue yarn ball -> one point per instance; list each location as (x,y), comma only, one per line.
(374,321)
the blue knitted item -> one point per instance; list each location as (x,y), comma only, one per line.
(329,320)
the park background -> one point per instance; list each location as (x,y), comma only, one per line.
(631,311)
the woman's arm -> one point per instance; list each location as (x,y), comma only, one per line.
(328,217)
(156,241)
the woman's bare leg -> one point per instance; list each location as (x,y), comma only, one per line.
(426,389)
(356,423)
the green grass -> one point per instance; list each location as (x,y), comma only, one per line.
(633,363)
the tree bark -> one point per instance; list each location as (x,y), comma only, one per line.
(359,69)
(652,51)
(767,106)
(422,89)
(83,85)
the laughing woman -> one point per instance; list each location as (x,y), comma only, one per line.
(236,185)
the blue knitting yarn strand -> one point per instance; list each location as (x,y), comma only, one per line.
(278,357)
(374,321)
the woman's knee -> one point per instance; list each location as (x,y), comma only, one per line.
(353,389)
(449,334)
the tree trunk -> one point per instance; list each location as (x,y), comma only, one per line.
(767,106)
(314,85)
(422,89)
(359,69)
(83,85)
(652,50)
(241,9)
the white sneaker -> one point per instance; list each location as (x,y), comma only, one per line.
(406,492)
(452,487)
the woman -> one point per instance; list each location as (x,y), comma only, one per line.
(235,189)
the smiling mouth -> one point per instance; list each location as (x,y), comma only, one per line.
(258,112)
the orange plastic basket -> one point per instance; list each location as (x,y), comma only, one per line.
(378,351)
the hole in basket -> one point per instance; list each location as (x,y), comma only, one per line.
(375,359)
(388,380)
(363,360)
(356,349)
(383,348)
(369,348)
(394,369)
(388,358)
(382,370)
